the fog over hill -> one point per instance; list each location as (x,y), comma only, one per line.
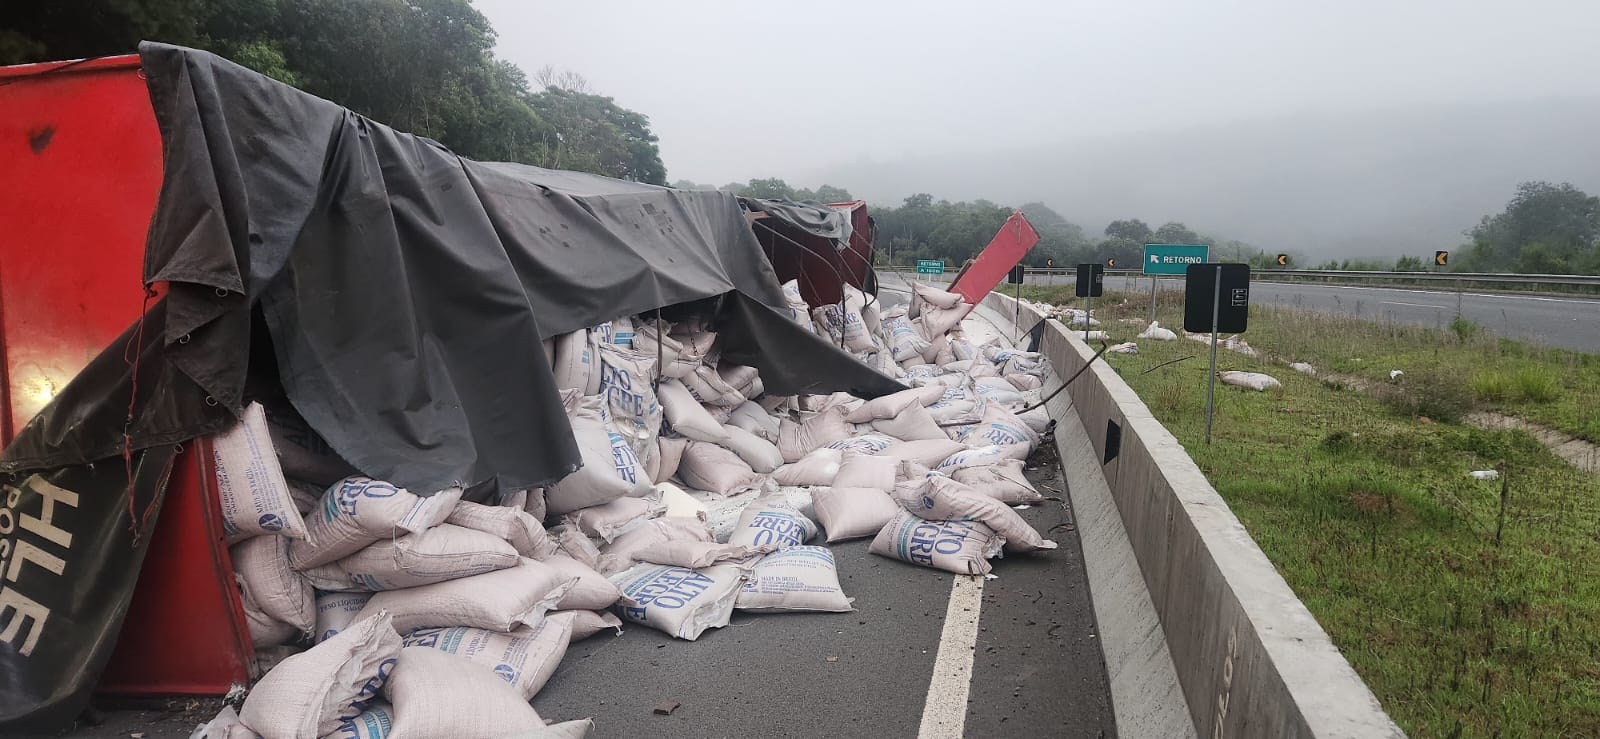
(1320,185)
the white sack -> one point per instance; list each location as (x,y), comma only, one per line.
(588,623)
(686,416)
(606,521)
(913,424)
(715,469)
(980,457)
(516,527)
(497,601)
(254,496)
(576,367)
(1123,348)
(962,547)
(265,631)
(262,562)
(817,468)
(708,387)
(681,602)
(590,590)
(1156,333)
(998,426)
(866,471)
(309,694)
(573,543)
(444,552)
(634,411)
(695,555)
(760,454)
(336,611)
(671,456)
(610,468)
(376,722)
(751,417)
(795,440)
(524,658)
(927,452)
(794,579)
(851,513)
(437,695)
(868,443)
(1249,380)
(357,511)
(1003,481)
(772,520)
(620,554)
(939,498)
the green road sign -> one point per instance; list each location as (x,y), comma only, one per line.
(930,267)
(1173,259)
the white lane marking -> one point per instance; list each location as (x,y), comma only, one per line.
(944,715)
(1434,292)
(1413,305)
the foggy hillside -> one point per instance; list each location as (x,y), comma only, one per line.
(1319,185)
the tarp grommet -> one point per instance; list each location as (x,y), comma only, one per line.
(221,292)
(211,401)
(184,339)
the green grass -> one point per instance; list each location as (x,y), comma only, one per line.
(1455,362)
(1370,516)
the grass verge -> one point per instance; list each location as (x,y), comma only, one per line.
(1370,516)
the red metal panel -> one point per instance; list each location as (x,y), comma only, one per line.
(80,170)
(185,633)
(1015,239)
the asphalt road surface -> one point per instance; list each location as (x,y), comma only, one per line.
(1561,322)
(1036,665)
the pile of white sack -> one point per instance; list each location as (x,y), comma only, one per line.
(384,613)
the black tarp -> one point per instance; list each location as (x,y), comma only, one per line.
(406,289)
(816,219)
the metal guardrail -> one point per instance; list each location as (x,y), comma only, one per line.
(1582,281)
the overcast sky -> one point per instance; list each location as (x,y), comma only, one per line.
(741,90)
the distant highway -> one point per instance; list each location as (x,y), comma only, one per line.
(1566,323)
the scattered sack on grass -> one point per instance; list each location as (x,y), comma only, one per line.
(1155,332)
(254,495)
(817,468)
(939,498)
(1124,348)
(435,694)
(525,658)
(714,469)
(681,602)
(497,601)
(772,519)
(311,693)
(358,511)
(444,552)
(1003,481)
(1303,368)
(516,527)
(262,563)
(1249,380)
(962,547)
(801,578)
(852,513)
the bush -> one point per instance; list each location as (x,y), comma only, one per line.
(1492,386)
(1464,329)
(1537,384)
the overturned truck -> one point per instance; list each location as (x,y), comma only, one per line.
(391,428)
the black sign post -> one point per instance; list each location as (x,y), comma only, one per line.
(1091,285)
(1015,277)
(1228,309)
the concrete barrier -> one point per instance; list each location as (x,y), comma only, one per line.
(1249,657)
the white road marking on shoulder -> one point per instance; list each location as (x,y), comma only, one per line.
(944,715)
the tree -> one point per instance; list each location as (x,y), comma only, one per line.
(1545,228)
(770,189)
(1132,229)
(73,29)
(1409,263)
(1175,233)
(597,135)
(831,194)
